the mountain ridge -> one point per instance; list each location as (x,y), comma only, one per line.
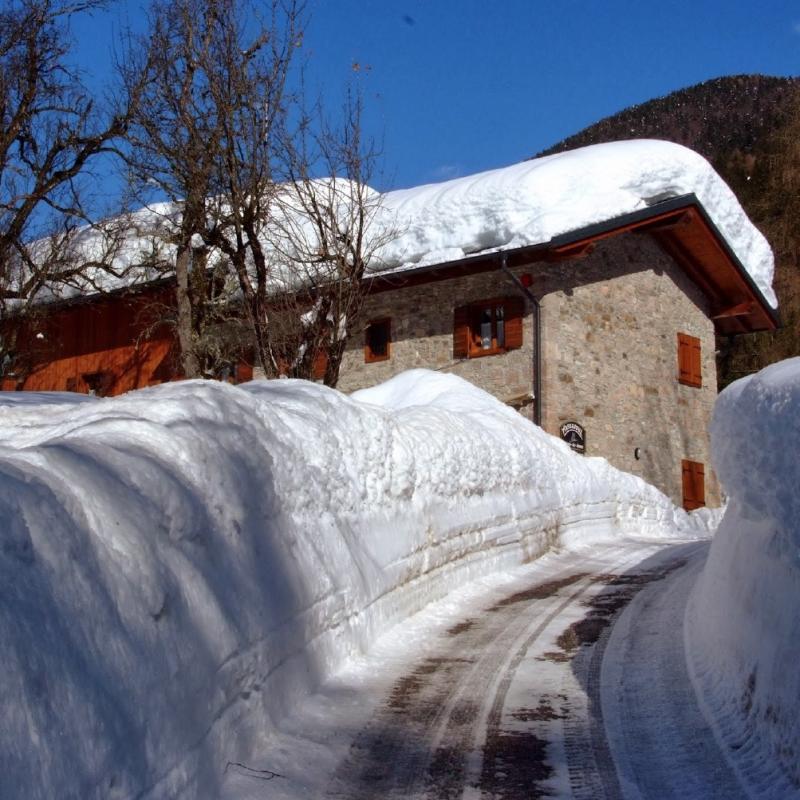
(748,127)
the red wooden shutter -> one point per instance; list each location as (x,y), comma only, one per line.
(697,374)
(694,484)
(319,365)
(461,332)
(244,372)
(514,311)
(378,341)
(689,368)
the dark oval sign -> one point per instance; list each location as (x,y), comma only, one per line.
(574,435)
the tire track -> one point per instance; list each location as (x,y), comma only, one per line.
(439,733)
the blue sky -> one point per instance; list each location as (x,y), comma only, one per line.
(454,87)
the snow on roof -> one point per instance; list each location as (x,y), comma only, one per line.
(532,202)
(502,209)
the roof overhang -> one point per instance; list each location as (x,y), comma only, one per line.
(683,229)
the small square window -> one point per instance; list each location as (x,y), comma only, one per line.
(487,328)
(98,383)
(378,341)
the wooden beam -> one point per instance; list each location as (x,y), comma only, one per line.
(669,222)
(570,252)
(674,246)
(739,310)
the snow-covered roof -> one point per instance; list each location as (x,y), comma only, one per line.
(533,202)
(524,204)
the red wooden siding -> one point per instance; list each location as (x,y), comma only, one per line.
(110,341)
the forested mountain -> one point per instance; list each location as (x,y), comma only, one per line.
(748,127)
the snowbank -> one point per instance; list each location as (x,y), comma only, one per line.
(44,398)
(178,564)
(743,627)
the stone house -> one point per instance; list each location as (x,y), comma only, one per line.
(604,335)
(608,331)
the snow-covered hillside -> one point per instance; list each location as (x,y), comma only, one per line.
(743,628)
(181,563)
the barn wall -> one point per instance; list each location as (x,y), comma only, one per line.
(610,360)
(422,336)
(112,340)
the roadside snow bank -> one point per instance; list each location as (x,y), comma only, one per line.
(179,563)
(743,626)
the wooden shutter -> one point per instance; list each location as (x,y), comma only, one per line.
(244,372)
(319,365)
(694,484)
(689,367)
(461,332)
(697,374)
(514,311)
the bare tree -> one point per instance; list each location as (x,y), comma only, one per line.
(325,237)
(50,130)
(259,237)
(202,138)
(248,81)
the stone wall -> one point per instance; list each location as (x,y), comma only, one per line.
(422,336)
(610,323)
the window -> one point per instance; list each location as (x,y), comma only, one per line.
(694,484)
(378,341)
(489,327)
(689,369)
(99,383)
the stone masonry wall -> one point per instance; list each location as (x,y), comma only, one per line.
(610,323)
(422,336)
(610,360)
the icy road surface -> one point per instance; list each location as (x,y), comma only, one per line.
(566,679)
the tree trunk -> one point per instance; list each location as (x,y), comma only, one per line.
(189,363)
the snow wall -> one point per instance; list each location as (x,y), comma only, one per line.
(743,625)
(180,563)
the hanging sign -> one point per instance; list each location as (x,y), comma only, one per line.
(574,435)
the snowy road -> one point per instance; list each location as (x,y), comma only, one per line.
(568,681)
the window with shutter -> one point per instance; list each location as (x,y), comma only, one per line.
(689,367)
(694,484)
(487,328)
(378,341)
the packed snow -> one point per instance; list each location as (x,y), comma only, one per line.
(44,398)
(183,563)
(532,202)
(524,204)
(743,627)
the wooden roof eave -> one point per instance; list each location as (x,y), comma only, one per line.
(737,304)
(683,229)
